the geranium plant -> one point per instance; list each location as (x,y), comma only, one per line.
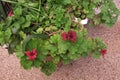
(44,33)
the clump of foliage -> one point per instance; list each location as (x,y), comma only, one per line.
(43,33)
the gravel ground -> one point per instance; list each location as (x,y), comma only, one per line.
(107,68)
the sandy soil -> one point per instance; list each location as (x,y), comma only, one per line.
(107,68)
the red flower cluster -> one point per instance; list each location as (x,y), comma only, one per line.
(31,54)
(10,14)
(71,35)
(103,52)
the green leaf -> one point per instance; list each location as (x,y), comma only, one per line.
(18,11)
(52,48)
(21,20)
(73,48)
(28,17)
(53,28)
(26,24)
(31,44)
(73,56)
(27,64)
(66,61)
(67,22)
(67,2)
(1,27)
(9,22)
(7,34)
(21,1)
(28,38)
(33,4)
(56,59)
(41,48)
(84,54)
(2,40)
(64,56)
(16,27)
(39,30)
(18,51)
(37,63)
(54,38)
(13,44)
(22,34)
(41,57)
(85,32)
(99,43)
(63,46)
(48,68)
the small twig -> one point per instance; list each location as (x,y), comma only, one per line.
(54,32)
(27,6)
(77,23)
(81,28)
(50,34)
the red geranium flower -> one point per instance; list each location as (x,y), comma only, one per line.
(103,52)
(31,54)
(71,35)
(10,14)
(64,36)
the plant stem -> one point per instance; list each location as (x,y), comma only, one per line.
(13,2)
(2,10)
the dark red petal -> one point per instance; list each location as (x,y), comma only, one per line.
(10,14)
(72,36)
(32,57)
(103,52)
(64,36)
(28,53)
(73,40)
(34,51)
(70,32)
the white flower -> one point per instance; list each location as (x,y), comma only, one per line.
(84,21)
